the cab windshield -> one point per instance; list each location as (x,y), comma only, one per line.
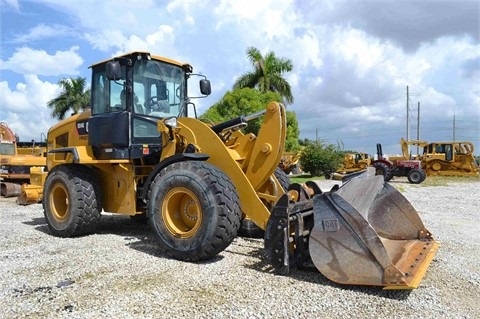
(158,89)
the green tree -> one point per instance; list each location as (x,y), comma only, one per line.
(267,74)
(293,131)
(247,101)
(318,158)
(73,97)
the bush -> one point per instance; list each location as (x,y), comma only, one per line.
(319,159)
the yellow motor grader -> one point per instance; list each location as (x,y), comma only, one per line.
(194,183)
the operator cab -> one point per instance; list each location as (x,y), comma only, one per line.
(130,94)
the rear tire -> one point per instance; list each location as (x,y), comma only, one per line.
(194,209)
(71,201)
(282,178)
(416,176)
(383,169)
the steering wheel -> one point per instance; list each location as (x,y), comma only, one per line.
(156,103)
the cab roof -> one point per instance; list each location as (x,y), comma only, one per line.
(134,54)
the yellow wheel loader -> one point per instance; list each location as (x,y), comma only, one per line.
(195,182)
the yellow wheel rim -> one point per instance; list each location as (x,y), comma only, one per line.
(436,166)
(59,202)
(181,212)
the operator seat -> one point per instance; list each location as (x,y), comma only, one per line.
(139,109)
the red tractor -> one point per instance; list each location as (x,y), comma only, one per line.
(389,168)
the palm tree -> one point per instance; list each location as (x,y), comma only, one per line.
(267,74)
(74,97)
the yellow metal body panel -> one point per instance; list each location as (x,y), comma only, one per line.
(119,183)
(268,148)
(33,151)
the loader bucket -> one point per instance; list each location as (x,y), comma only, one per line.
(367,233)
(363,233)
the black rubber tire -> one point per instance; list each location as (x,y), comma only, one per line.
(197,193)
(383,169)
(71,201)
(416,176)
(248,228)
(139,218)
(282,178)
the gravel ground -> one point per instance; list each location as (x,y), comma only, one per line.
(118,273)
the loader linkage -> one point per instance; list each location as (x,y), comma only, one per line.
(288,229)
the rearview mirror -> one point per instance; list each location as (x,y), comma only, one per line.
(113,70)
(205,87)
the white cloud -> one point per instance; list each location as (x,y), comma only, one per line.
(357,68)
(29,61)
(106,40)
(43,31)
(25,106)
(262,19)
(12,3)
(189,11)
(161,40)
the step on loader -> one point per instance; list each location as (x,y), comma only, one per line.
(194,183)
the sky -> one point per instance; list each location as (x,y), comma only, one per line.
(352,60)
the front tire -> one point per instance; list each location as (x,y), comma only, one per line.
(71,201)
(194,209)
(416,176)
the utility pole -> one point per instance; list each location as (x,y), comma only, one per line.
(408,129)
(454,127)
(418,126)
